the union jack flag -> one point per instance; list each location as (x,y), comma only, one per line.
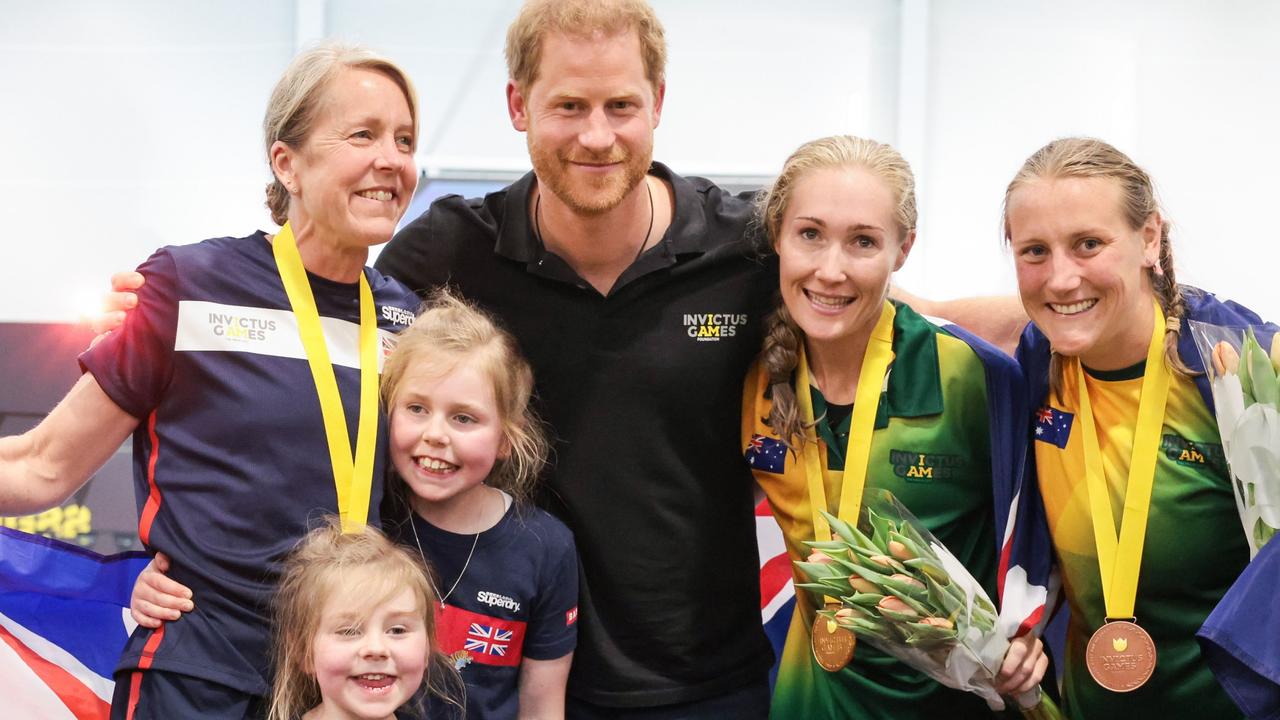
(64,620)
(487,639)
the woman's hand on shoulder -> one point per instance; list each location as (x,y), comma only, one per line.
(157,598)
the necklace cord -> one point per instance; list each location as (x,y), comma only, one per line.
(537,222)
(474,541)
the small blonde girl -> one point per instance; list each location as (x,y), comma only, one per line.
(355,627)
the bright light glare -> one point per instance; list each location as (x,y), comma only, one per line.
(82,306)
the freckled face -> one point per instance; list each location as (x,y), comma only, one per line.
(838,246)
(354,175)
(1082,271)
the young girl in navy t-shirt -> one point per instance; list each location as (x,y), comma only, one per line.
(467,449)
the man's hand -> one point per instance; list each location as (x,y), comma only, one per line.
(115,304)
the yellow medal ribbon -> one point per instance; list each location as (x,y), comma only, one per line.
(353,477)
(1120,558)
(875,362)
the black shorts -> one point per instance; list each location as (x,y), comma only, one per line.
(162,695)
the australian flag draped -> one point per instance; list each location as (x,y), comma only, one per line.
(64,619)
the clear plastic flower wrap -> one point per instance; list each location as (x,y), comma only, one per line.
(1246,397)
(903,592)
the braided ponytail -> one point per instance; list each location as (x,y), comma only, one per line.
(780,356)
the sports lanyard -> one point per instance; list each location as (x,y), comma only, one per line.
(875,362)
(1120,559)
(353,477)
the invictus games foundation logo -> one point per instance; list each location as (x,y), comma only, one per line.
(1189,453)
(925,467)
(240,327)
(711,327)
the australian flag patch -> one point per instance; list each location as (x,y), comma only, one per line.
(1053,426)
(766,453)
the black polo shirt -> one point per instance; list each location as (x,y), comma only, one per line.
(643,390)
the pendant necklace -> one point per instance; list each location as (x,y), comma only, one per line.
(474,541)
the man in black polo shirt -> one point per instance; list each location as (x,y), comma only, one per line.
(639,303)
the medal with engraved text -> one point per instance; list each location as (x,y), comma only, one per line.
(832,644)
(1120,656)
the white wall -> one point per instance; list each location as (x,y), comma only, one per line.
(1187,88)
(133,124)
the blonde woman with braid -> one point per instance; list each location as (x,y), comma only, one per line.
(936,413)
(1131,470)
(1126,449)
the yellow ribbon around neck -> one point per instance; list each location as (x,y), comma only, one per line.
(1120,557)
(875,362)
(353,477)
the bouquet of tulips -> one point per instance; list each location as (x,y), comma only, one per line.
(903,592)
(1246,398)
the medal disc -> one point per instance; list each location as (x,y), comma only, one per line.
(832,644)
(1120,656)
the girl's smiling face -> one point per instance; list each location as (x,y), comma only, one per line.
(368,663)
(446,433)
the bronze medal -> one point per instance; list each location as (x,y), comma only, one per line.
(832,644)
(1120,656)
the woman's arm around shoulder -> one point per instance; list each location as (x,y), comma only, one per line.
(998,319)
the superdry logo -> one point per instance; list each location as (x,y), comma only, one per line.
(397,316)
(493,599)
(236,327)
(710,327)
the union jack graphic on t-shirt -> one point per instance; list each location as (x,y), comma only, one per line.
(487,639)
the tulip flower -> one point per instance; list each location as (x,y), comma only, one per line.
(1246,399)
(903,592)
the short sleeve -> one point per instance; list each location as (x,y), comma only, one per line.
(134,364)
(553,622)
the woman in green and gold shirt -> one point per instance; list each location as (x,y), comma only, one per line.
(1126,448)
(889,400)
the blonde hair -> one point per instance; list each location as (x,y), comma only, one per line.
(299,94)
(450,331)
(1082,157)
(325,562)
(583,18)
(783,338)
